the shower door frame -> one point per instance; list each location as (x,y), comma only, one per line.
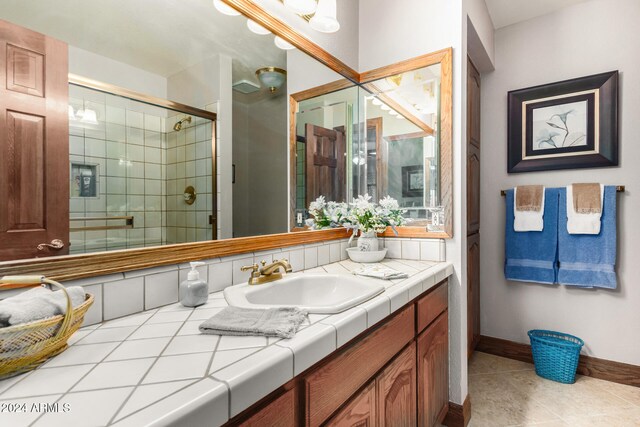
(170,105)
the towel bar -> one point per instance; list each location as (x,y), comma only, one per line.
(619,189)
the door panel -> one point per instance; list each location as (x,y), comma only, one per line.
(397,391)
(433,372)
(325,161)
(473,189)
(34,143)
(361,412)
(473,292)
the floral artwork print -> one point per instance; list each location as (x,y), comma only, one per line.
(560,126)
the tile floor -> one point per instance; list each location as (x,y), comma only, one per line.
(507,392)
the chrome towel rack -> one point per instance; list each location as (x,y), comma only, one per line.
(127,219)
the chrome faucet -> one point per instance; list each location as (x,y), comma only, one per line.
(268,272)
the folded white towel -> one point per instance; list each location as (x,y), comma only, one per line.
(38,303)
(583,223)
(380,272)
(528,220)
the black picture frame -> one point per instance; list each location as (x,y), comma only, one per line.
(564,125)
(413,181)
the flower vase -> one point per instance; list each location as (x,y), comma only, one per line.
(368,242)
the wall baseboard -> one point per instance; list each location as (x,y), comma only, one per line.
(458,415)
(603,369)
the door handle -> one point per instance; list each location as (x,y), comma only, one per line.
(55,244)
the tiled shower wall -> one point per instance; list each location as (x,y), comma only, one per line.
(189,162)
(143,168)
(128,145)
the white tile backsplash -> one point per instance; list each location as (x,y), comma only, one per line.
(310,257)
(324,256)
(160,289)
(123,297)
(410,249)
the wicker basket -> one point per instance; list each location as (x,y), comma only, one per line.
(555,355)
(24,347)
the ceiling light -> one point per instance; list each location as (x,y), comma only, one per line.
(283,44)
(271,77)
(257,28)
(301,7)
(324,19)
(376,101)
(385,107)
(224,8)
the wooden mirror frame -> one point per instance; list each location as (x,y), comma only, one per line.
(70,267)
(365,79)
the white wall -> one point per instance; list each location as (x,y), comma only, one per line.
(107,70)
(588,38)
(399,30)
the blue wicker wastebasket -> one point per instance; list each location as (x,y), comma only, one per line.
(555,355)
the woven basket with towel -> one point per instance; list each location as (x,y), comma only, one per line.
(25,346)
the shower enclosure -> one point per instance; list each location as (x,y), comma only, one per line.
(142,170)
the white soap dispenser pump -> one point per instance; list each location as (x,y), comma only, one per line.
(194,291)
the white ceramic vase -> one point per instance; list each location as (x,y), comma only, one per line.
(368,241)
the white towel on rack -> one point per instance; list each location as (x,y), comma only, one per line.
(583,223)
(528,220)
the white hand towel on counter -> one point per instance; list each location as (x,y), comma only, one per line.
(583,223)
(528,220)
(380,272)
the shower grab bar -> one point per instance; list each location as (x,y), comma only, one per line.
(619,189)
(129,222)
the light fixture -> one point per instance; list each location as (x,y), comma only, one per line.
(271,77)
(87,116)
(385,107)
(224,8)
(301,7)
(257,28)
(283,44)
(324,19)
(376,101)
(393,112)
(399,117)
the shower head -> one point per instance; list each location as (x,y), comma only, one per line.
(178,125)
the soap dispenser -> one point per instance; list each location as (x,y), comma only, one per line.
(194,291)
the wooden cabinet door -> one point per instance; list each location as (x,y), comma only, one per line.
(279,413)
(397,391)
(473,292)
(361,412)
(473,149)
(34,143)
(433,372)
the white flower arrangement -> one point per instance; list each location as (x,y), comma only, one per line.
(361,215)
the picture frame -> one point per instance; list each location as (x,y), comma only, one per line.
(564,125)
(413,181)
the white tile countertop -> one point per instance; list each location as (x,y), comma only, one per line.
(154,368)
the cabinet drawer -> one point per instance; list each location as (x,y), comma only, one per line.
(430,306)
(279,413)
(328,387)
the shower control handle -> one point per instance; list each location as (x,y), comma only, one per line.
(56,244)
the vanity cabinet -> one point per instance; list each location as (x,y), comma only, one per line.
(395,374)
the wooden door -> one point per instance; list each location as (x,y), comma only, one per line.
(473,207)
(325,164)
(360,412)
(433,372)
(34,143)
(473,295)
(396,386)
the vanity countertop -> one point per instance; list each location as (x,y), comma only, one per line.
(155,368)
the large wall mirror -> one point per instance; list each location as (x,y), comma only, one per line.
(188,135)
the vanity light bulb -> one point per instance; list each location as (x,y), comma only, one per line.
(376,101)
(225,9)
(393,112)
(399,117)
(257,28)
(325,19)
(385,107)
(283,44)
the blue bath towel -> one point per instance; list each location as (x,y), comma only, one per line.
(588,260)
(531,256)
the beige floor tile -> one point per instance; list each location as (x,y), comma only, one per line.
(627,392)
(625,418)
(483,363)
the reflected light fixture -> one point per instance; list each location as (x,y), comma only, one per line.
(376,101)
(225,9)
(325,19)
(257,28)
(301,7)
(283,44)
(88,116)
(72,115)
(271,77)
(385,107)
(393,112)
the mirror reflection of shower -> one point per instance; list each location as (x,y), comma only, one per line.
(178,124)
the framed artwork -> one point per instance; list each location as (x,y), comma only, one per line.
(564,125)
(412,181)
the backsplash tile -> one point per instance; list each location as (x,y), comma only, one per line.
(160,289)
(123,297)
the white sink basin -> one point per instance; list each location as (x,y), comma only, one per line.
(316,293)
